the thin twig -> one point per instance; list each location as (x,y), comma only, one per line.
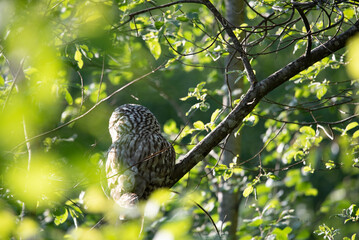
(227,80)
(237,45)
(264,146)
(28,144)
(82,91)
(91,109)
(101,78)
(310,123)
(14,82)
(132,15)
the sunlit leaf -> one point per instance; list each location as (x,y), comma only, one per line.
(78,58)
(351,126)
(248,190)
(68,96)
(298,156)
(2,81)
(215,115)
(353,56)
(227,174)
(282,234)
(59,219)
(307,130)
(256,222)
(321,91)
(199,125)
(356,134)
(273,176)
(154,46)
(330,164)
(308,169)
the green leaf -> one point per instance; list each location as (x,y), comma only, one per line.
(227,174)
(321,91)
(215,114)
(182,18)
(351,126)
(78,58)
(256,222)
(308,169)
(154,46)
(356,134)
(198,125)
(311,192)
(298,156)
(353,210)
(273,176)
(235,102)
(282,234)
(250,120)
(159,24)
(220,169)
(2,81)
(68,96)
(349,13)
(307,130)
(249,189)
(330,164)
(59,219)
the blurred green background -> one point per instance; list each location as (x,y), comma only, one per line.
(60,60)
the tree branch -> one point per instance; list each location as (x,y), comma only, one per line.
(252,98)
(146,10)
(227,26)
(237,44)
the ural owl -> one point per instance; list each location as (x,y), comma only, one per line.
(140,159)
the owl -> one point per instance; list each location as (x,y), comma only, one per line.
(139,159)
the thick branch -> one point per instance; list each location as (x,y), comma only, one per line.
(252,98)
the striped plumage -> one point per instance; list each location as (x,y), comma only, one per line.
(140,159)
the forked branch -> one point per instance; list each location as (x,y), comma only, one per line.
(252,98)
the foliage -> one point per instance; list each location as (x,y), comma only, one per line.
(65,65)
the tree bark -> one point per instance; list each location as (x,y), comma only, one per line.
(228,198)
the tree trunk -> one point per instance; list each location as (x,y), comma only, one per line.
(228,198)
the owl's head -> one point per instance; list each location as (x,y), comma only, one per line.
(132,119)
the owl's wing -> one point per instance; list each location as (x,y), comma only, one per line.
(122,171)
(154,162)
